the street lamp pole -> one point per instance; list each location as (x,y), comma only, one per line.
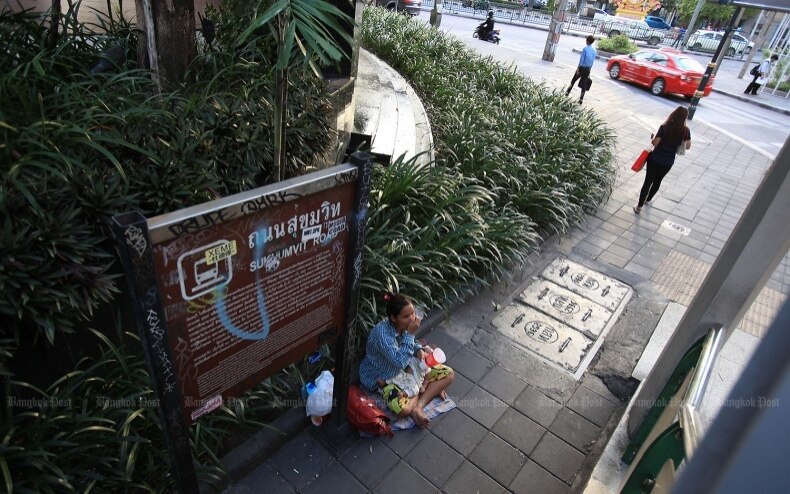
(555,29)
(712,65)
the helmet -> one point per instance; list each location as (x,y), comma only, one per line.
(490,13)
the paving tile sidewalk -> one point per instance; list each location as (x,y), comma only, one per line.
(505,436)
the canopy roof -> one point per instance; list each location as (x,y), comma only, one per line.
(777,5)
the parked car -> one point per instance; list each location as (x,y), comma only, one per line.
(593,13)
(657,22)
(411,7)
(663,71)
(709,41)
(600,15)
(633,28)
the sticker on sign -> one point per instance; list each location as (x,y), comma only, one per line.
(221,252)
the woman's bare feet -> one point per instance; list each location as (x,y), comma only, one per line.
(419,417)
(443,395)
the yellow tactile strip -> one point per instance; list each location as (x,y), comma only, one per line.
(680,276)
(763,311)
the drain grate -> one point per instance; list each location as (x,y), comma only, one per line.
(564,314)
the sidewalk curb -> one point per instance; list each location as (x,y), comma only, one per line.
(263,444)
(751,101)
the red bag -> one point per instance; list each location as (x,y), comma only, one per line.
(640,161)
(365,416)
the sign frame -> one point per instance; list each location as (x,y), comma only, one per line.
(136,237)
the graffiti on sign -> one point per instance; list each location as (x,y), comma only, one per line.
(248,291)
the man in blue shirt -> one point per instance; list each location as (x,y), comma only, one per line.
(583,71)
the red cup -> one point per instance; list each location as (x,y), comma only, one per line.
(435,357)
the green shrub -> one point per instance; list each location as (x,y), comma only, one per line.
(620,44)
(78,149)
(436,235)
(541,154)
(777,71)
(97,428)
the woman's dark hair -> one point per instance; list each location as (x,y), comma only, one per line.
(395,303)
(675,125)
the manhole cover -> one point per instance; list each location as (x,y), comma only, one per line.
(566,306)
(590,284)
(564,314)
(676,227)
(543,335)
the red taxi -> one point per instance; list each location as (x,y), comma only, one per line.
(663,71)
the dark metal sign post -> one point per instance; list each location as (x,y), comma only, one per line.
(131,234)
(336,433)
(228,292)
(712,65)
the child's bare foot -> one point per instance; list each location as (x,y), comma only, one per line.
(419,417)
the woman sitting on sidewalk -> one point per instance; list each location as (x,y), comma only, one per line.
(390,348)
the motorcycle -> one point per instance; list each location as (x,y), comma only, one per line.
(493,36)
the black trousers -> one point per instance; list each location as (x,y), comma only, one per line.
(653,177)
(582,73)
(753,87)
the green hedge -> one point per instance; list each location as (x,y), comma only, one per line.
(539,152)
(79,148)
(620,44)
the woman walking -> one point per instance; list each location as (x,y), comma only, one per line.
(672,134)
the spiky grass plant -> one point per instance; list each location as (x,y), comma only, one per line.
(436,235)
(550,159)
(96,428)
(78,148)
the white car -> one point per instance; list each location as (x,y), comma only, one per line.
(633,28)
(709,41)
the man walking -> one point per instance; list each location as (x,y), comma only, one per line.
(583,70)
(760,74)
(679,37)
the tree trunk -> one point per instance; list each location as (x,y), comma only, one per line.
(54,24)
(280,104)
(170,50)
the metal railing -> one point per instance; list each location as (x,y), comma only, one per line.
(670,432)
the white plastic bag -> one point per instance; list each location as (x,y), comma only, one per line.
(319,403)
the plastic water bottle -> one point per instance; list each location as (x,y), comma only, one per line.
(307,390)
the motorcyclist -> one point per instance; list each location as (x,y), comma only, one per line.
(487,26)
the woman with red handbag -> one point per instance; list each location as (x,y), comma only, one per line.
(671,136)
